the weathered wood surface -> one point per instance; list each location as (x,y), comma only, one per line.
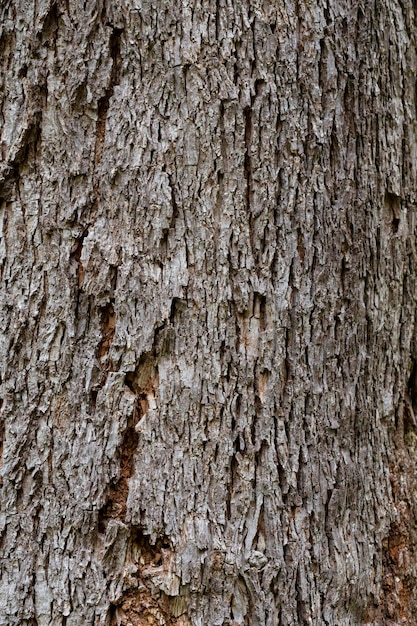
(208,304)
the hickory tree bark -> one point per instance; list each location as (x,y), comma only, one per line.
(208,356)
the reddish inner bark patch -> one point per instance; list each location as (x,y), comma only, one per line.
(115,507)
(396,605)
(143,382)
(140,608)
(142,605)
(396,550)
(399,601)
(142,602)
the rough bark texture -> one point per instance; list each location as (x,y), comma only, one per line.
(208,356)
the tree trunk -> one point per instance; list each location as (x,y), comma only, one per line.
(208,357)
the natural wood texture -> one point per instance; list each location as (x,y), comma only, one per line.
(207,314)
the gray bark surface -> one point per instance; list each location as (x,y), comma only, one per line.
(207,313)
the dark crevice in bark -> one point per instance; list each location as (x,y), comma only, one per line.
(49,26)
(107,325)
(175,207)
(102,112)
(393,206)
(173,219)
(104,102)
(300,245)
(410,402)
(234,468)
(7,45)
(257,411)
(217,214)
(217,19)
(26,145)
(76,256)
(303,618)
(25,148)
(247,113)
(327,16)
(259,309)
(143,381)
(322,72)
(178,306)
(261,529)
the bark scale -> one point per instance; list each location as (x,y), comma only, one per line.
(208,358)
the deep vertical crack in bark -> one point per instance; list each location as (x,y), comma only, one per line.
(104,102)
(248,172)
(151,595)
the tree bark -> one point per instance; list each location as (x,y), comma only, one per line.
(208,355)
